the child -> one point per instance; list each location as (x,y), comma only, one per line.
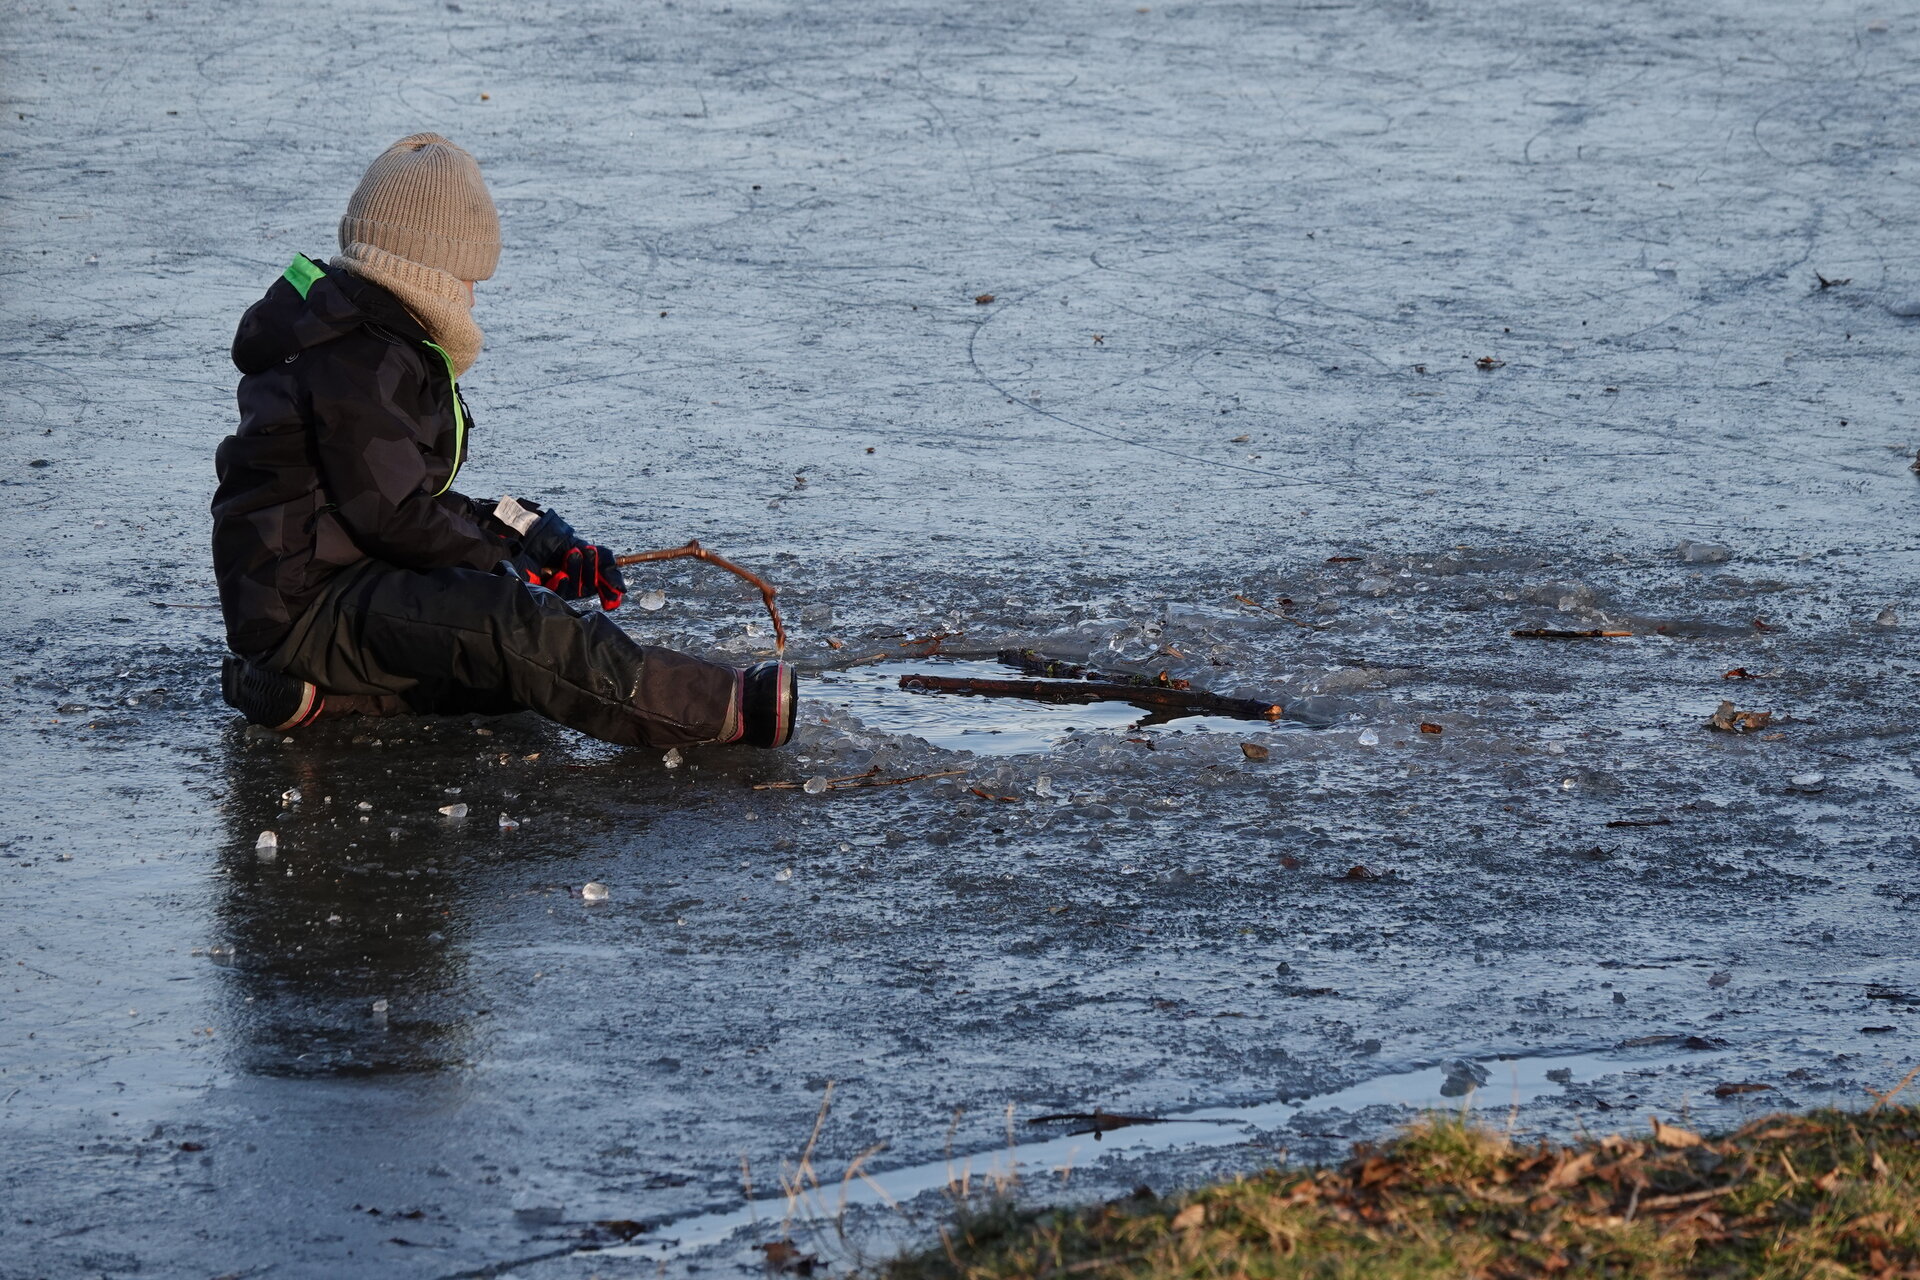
(352,576)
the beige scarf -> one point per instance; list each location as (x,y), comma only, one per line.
(437,300)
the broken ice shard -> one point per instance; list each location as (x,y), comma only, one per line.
(1463,1076)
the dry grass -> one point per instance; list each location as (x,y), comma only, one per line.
(1829,1194)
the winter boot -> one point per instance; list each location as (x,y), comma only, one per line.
(767,704)
(271,698)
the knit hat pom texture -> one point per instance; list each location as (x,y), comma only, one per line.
(424,200)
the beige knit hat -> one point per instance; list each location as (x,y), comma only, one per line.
(424,200)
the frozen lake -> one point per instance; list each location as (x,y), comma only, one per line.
(1302,351)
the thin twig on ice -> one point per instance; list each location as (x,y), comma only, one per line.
(694,551)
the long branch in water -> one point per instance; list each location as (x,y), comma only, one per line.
(694,551)
(1083,691)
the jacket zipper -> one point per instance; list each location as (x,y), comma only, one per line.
(459,420)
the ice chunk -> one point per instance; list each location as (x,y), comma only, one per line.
(593,891)
(290,796)
(268,842)
(454,810)
(1888,617)
(651,600)
(814,786)
(1808,782)
(1043,786)
(1463,1076)
(509,824)
(673,759)
(536,1208)
(1906,308)
(783,875)
(380,1005)
(1702,552)
(364,807)
(1368,738)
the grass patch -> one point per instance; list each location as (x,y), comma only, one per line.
(1827,1194)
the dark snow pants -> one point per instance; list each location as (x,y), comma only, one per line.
(461,641)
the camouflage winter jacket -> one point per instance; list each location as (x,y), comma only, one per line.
(351,432)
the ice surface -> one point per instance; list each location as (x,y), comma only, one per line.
(1298,224)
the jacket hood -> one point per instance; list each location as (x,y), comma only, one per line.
(313,304)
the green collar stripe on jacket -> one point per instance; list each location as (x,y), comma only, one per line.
(459,421)
(301,273)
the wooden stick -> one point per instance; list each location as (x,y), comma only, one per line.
(1080,692)
(858,780)
(1035,663)
(694,551)
(1549,633)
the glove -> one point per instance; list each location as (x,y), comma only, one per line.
(554,557)
(587,570)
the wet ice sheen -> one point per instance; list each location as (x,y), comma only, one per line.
(1494,1083)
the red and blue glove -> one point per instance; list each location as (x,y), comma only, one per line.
(585,570)
(554,557)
